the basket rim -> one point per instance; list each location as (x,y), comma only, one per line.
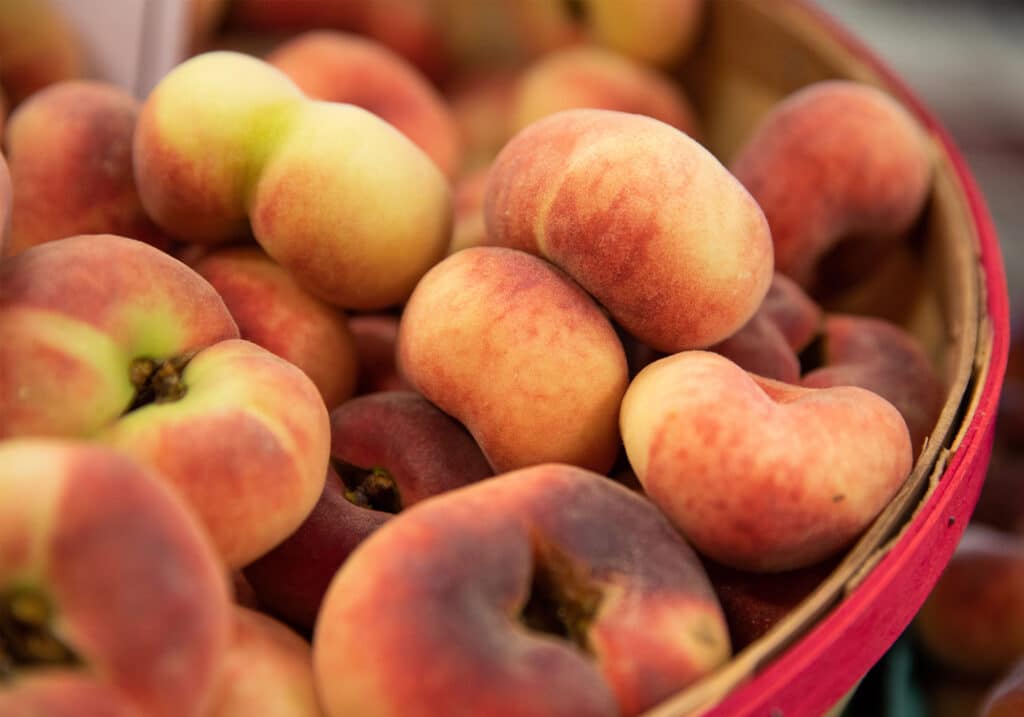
(952,489)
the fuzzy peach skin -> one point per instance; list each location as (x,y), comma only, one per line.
(885,358)
(340,67)
(148,360)
(594,77)
(761,475)
(642,216)
(770,343)
(40,47)
(111,597)
(272,310)
(344,201)
(389,451)
(519,354)
(973,620)
(659,32)
(495,600)
(835,161)
(6,194)
(70,153)
(268,671)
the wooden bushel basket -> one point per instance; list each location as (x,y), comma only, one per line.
(949,290)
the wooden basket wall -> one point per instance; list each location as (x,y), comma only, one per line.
(949,288)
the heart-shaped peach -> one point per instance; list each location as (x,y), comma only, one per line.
(759,474)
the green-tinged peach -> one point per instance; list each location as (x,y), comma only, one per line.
(109,339)
(519,354)
(340,67)
(761,475)
(74,315)
(642,216)
(111,597)
(515,605)
(202,136)
(341,199)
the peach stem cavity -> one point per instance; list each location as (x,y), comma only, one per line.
(26,636)
(373,488)
(563,600)
(157,380)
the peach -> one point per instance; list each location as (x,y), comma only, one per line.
(40,47)
(642,216)
(973,620)
(519,354)
(111,597)
(389,451)
(594,77)
(658,32)
(267,671)
(376,343)
(514,605)
(147,360)
(881,357)
(341,199)
(273,311)
(770,343)
(836,161)
(1006,697)
(408,27)
(340,67)
(761,475)
(70,153)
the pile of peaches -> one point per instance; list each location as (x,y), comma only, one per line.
(335,383)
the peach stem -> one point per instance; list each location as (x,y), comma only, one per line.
(26,638)
(373,488)
(157,380)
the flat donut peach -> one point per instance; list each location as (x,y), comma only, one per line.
(497,599)
(761,475)
(642,216)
